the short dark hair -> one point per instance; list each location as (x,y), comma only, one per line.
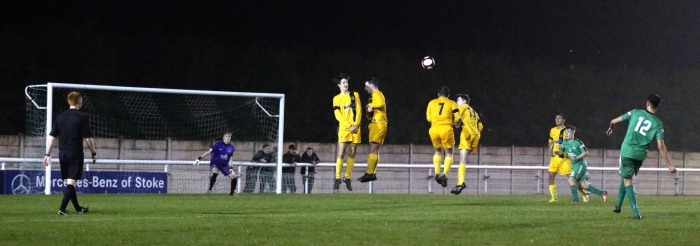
(266,145)
(654,100)
(292,147)
(374,81)
(463,96)
(444,91)
(573,128)
(340,77)
(228,133)
(309,148)
(561,114)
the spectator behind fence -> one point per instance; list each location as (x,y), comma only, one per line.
(291,157)
(262,156)
(309,156)
(268,174)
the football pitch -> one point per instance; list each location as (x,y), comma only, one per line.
(346,219)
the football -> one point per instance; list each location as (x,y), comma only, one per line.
(428,62)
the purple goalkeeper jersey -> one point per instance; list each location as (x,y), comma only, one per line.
(221,153)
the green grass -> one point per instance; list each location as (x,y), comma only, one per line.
(345,219)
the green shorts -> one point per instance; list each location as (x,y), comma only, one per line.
(579,172)
(629,167)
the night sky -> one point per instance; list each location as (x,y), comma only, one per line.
(643,33)
(512,57)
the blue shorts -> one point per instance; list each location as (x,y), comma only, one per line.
(224,168)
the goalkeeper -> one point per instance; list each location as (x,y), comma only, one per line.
(221,153)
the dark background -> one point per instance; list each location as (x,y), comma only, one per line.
(520,61)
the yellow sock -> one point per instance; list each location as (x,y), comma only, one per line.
(338,167)
(448,165)
(371,163)
(553,191)
(461,172)
(348,169)
(436,163)
(376,162)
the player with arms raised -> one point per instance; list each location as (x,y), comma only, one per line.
(348,111)
(442,113)
(376,110)
(468,138)
(221,153)
(643,127)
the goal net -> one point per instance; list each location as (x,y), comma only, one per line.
(127,122)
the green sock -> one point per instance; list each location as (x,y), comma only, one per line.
(594,190)
(633,199)
(621,194)
(574,192)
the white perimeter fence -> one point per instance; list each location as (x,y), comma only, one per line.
(183,177)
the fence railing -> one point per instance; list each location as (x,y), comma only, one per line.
(395,178)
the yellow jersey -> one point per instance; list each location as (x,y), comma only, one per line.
(556,136)
(442,111)
(378,104)
(470,120)
(347,109)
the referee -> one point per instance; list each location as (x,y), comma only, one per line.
(71,127)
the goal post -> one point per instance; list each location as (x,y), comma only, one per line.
(159,113)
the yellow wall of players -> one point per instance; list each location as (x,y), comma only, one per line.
(443,114)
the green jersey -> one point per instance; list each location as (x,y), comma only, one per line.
(575,147)
(643,127)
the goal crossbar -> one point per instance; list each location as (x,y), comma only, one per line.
(163,90)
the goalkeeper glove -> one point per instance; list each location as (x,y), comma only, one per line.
(196,162)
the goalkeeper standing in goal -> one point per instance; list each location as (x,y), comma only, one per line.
(71,127)
(376,112)
(348,111)
(221,153)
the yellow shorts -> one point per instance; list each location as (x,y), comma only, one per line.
(560,165)
(345,136)
(470,142)
(442,136)
(377,132)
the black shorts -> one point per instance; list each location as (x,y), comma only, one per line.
(71,164)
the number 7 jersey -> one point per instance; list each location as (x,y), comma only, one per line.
(442,112)
(643,127)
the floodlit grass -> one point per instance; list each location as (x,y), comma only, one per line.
(346,219)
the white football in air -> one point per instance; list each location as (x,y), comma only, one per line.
(428,62)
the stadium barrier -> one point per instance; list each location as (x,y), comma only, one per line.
(183,177)
(92,182)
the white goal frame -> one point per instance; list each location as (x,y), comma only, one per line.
(49,112)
